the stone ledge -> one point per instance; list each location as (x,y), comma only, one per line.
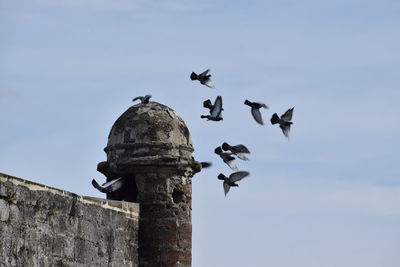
(129,208)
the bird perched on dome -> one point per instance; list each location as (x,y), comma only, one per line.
(232,179)
(226,157)
(255,110)
(143,99)
(284,121)
(110,186)
(238,150)
(215,110)
(203,78)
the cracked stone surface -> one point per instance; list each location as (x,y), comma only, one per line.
(150,146)
(44,226)
(150,131)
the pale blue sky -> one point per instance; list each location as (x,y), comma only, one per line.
(328,197)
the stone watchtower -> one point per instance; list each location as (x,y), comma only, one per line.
(151,147)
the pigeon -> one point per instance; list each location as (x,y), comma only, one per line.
(226,157)
(234,177)
(255,110)
(110,186)
(284,121)
(143,99)
(238,150)
(215,110)
(203,78)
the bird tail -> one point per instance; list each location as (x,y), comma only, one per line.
(97,186)
(247,102)
(205,164)
(275,118)
(221,176)
(207,104)
(225,146)
(218,150)
(193,76)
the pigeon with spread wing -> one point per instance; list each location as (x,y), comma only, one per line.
(232,179)
(143,99)
(255,110)
(238,150)
(203,78)
(215,110)
(226,157)
(110,186)
(284,121)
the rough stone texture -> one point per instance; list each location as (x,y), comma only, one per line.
(150,145)
(43,226)
(148,132)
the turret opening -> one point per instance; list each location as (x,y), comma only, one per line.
(177,195)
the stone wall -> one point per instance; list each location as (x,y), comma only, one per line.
(43,226)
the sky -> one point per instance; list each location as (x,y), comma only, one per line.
(327,197)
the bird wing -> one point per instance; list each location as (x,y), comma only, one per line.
(257,115)
(116,184)
(141,98)
(263,105)
(232,164)
(98,187)
(285,129)
(237,176)
(204,73)
(217,108)
(227,156)
(242,156)
(208,83)
(241,149)
(226,187)
(287,116)
(110,183)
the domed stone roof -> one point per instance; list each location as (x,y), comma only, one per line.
(148,131)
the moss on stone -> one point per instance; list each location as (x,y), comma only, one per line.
(10,195)
(52,211)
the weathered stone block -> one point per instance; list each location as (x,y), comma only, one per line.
(43,226)
(4,210)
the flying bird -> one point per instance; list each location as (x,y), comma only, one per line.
(226,157)
(238,150)
(284,121)
(203,78)
(233,178)
(110,186)
(143,99)
(255,110)
(215,110)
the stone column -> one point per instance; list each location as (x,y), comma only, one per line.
(150,145)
